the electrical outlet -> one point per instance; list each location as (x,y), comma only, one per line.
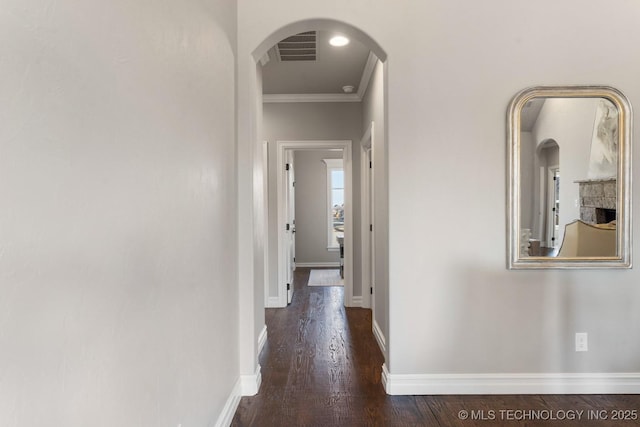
(582,343)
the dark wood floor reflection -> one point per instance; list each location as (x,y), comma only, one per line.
(321,366)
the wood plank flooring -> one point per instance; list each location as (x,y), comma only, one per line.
(321,366)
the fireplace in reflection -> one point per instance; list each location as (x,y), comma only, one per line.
(598,200)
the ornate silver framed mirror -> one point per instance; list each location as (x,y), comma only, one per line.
(569,178)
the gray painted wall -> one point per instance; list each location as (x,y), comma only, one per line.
(453,306)
(118,211)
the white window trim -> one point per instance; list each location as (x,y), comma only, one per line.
(332,164)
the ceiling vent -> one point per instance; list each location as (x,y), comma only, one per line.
(301,47)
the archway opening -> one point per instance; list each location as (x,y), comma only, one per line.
(357,292)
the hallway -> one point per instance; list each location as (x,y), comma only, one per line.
(321,366)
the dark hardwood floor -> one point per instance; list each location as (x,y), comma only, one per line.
(321,366)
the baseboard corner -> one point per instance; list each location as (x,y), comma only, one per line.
(379,336)
(250,384)
(262,339)
(274,302)
(384,378)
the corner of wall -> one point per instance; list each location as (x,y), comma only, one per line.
(379,336)
(262,339)
(250,384)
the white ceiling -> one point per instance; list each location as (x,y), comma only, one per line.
(529,114)
(333,68)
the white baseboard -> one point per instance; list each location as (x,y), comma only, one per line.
(250,384)
(436,384)
(377,333)
(318,264)
(262,339)
(353,301)
(247,385)
(273,302)
(226,416)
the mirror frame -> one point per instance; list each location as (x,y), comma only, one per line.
(623,183)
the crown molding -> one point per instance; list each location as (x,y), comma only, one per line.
(310,97)
(372,60)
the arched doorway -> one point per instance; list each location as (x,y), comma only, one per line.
(253,245)
(351,259)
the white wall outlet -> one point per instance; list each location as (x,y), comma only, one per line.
(582,343)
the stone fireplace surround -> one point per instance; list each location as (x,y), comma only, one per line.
(598,200)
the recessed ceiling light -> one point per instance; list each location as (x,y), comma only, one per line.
(339,41)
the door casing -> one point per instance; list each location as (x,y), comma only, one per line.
(282,148)
(367,195)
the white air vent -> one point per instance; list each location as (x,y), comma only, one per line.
(301,47)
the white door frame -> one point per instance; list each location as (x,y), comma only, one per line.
(551,229)
(290,221)
(540,229)
(367,194)
(282,147)
(265,216)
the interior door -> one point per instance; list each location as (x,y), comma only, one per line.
(290,228)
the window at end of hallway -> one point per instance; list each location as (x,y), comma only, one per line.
(335,202)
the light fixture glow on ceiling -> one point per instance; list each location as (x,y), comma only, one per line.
(339,41)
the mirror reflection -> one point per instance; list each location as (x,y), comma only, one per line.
(569,178)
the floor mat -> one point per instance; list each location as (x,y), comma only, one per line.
(325,278)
